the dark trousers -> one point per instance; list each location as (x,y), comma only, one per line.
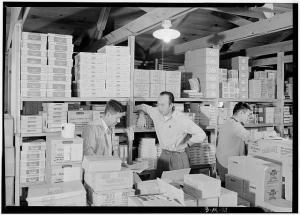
(170,160)
(222,171)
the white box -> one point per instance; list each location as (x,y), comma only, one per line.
(173,77)
(55,106)
(112,180)
(79,115)
(32,155)
(156,89)
(9,191)
(141,76)
(236,166)
(90,67)
(34,145)
(58,93)
(57,194)
(52,54)
(37,164)
(254,88)
(235,184)
(59,70)
(33,53)
(202,56)
(60,62)
(31,179)
(90,77)
(101,163)
(65,173)
(60,47)
(90,58)
(33,84)
(34,45)
(30,36)
(31,119)
(9,161)
(175,89)
(240,63)
(60,38)
(157,76)
(228,198)
(32,69)
(59,85)
(64,150)
(33,60)
(31,172)
(114,50)
(54,77)
(122,77)
(209,187)
(209,202)
(29,77)
(142,90)
(8,130)
(203,69)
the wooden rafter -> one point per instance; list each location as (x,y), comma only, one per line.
(101,23)
(14,16)
(267,26)
(270,61)
(270,49)
(237,11)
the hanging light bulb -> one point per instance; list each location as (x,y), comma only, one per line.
(166,34)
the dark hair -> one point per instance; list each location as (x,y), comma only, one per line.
(113,106)
(240,106)
(171,96)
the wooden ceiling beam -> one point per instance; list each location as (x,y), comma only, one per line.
(140,25)
(14,17)
(267,26)
(271,61)
(236,11)
(101,23)
(270,49)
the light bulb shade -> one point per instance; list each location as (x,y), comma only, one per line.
(166,34)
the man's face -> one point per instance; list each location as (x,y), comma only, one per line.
(114,118)
(245,116)
(163,105)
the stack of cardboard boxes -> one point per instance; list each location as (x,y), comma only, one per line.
(80,119)
(241,64)
(31,124)
(60,51)
(263,114)
(54,115)
(287,114)
(90,74)
(117,70)
(228,83)
(34,67)
(9,159)
(204,65)
(254,180)
(263,85)
(106,182)
(148,151)
(200,154)
(141,83)
(205,114)
(157,82)
(64,159)
(173,83)
(288,89)
(33,161)
(98,111)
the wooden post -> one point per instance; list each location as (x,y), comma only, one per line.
(18,141)
(280,91)
(130,106)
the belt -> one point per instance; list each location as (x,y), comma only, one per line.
(171,152)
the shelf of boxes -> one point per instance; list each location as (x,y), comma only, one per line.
(260,125)
(288,124)
(248,100)
(144,130)
(73,99)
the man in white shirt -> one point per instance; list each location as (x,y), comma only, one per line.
(232,137)
(97,135)
(173,131)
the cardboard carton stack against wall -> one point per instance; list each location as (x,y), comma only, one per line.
(54,115)
(241,64)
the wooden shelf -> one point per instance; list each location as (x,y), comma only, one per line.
(144,130)
(260,125)
(138,99)
(73,99)
(248,100)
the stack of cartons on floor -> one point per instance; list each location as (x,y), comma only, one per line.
(60,51)
(241,64)
(34,67)
(9,159)
(106,182)
(64,159)
(204,65)
(90,74)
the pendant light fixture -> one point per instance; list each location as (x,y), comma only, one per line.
(166,34)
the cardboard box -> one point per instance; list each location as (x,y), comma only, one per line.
(32,178)
(9,161)
(58,194)
(9,191)
(209,187)
(52,54)
(37,164)
(35,77)
(243,202)
(32,155)
(125,77)
(202,56)
(90,77)
(33,60)
(157,76)
(175,89)
(277,205)
(34,85)
(254,88)
(228,198)
(108,198)
(58,93)
(142,90)
(60,62)
(30,172)
(148,187)
(112,180)
(32,69)
(202,69)
(60,38)
(101,163)
(114,50)
(233,74)
(33,53)
(30,36)
(8,130)
(64,150)
(209,202)
(59,70)
(235,184)
(60,47)
(236,166)
(90,58)
(34,45)
(141,76)
(50,107)
(240,63)
(156,89)
(65,173)
(173,77)
(115,66)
